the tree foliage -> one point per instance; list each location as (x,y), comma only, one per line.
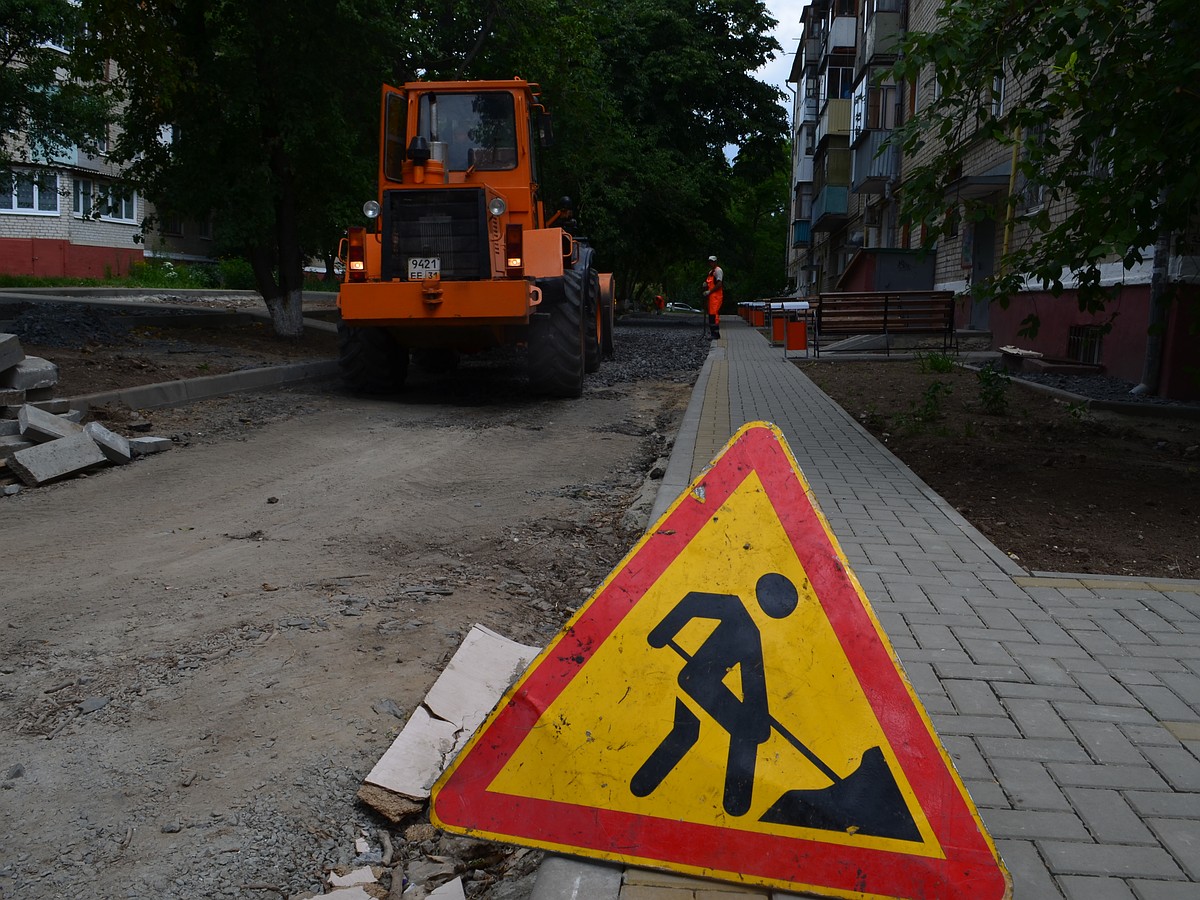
(647,95)
(261,115)
(1101,106)
(265,114)
(43,109)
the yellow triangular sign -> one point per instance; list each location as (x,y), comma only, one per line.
(727,705)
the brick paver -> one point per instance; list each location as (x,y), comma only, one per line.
(1070,703)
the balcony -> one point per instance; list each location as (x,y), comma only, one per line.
(829,207)
(801,233)
(840,37)
(804,169)
(834,120)
(806,110)
(880,40)
(870,169)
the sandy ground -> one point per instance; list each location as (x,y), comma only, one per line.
(201,654)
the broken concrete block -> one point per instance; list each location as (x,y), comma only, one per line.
(45,462)
(11,443)
(9,427)
(73,415)
(10,490)
(11,397)
(41,395)
(39,425)
(114,446)
(30,373)
(10,351)
(141,446)
(58,407)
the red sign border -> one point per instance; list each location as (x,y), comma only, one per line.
(971,867)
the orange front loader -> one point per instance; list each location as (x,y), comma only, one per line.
(459,256)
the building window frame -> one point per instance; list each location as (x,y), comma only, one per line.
(31,193)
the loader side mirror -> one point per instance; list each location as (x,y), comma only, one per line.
(544,127)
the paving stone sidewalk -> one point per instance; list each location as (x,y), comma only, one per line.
(1070,704)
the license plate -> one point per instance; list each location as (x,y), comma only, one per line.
(422,267)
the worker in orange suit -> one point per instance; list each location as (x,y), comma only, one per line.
(714,290)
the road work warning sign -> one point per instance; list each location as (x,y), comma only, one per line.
(727,705)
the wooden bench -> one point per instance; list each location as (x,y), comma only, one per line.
(889,313)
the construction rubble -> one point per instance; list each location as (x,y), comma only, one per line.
(42,438)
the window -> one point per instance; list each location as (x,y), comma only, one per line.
(90,199)
(883,105)
(204,229)
(172,225)
(839,83)
(31,193)
(119,205)
(479,130)
(84,191)
(998,96)
(1031,193)
(1085,343)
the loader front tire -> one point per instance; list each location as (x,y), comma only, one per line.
(371,360)
(556,343)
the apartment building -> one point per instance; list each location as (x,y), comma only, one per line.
(68,215)
(847,232)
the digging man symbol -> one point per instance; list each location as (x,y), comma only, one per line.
(734,643)
(867,801)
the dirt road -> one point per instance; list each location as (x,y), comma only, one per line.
(201,654)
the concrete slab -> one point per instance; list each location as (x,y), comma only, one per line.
(46,462)
(10,351)
(143,446)
(11,443)
(41,426)
(177,393)
(561,876)
(114,446)
(30,373)
(11,397)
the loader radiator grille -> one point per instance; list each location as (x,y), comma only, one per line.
(448,224)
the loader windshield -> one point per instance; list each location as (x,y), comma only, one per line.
(478,130)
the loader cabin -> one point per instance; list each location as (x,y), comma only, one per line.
(469,133)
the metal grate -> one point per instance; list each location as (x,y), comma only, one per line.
(1084,343)
(448,224)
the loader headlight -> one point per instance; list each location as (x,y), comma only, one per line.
(371,209)
(497,206)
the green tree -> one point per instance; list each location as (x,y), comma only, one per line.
(45,108)
(756,242)
(1101,108)
(646,96)
(262,115)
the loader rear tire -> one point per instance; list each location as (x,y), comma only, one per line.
(371,360)
(607,317)
(593,346)
(556,342)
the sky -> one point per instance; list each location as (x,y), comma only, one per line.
(787,33)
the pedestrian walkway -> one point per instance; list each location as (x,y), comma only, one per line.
(1069,703)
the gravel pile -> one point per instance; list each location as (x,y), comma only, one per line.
(1100,387)
(71,325)
(648,348)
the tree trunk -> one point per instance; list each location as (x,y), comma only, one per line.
(287,313)
(1152,362)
